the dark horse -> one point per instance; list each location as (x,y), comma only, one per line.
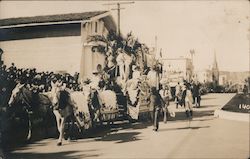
(36,108)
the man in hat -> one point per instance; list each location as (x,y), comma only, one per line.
(196,93)
(165,95)
(156,103)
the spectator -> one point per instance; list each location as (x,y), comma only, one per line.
(37,81)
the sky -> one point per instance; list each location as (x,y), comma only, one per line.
(205,26)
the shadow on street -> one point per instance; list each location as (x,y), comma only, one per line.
(55,155)
(184,128)
(180,116)
(121,137)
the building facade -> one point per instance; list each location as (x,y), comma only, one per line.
(177,69)
(203,76)
(56,43)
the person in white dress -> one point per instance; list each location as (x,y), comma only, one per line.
(152,78)
(188,97)
(120,59)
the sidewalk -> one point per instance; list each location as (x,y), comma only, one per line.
(209,104)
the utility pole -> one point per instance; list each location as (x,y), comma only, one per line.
(118,13)
(156,45)
(192,52)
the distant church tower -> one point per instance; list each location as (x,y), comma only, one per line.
(215,71)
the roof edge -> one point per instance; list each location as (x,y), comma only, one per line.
(101,15)
(40,24)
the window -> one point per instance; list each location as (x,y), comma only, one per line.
(95,27)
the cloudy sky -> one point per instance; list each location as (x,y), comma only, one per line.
(205,26)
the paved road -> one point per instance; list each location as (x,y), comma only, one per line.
(207,137)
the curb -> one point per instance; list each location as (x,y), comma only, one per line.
(232,115)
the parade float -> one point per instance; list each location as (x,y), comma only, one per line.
(119,77)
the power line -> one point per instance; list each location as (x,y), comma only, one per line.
(118,12)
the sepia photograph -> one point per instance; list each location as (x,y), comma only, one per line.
(140,79)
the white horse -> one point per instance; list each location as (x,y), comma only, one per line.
(63,108)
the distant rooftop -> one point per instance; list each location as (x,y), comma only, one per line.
(50,18)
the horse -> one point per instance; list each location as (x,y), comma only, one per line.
(39,105)
(63,109)
(102,104)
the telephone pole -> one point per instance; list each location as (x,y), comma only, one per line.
(156,39)
(192,52)
(118,4)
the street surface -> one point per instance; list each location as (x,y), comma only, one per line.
(207,137)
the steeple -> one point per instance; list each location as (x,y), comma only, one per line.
(215,70)
(215,64)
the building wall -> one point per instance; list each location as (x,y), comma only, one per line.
(90,59)
(58,48)
(222,80)
(204,76)
(175,67)
(45,54)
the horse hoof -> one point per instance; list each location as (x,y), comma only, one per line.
(59,144)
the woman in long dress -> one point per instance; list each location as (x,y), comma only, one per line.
(120,59)
(188,98)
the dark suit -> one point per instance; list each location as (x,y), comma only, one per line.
(156,103)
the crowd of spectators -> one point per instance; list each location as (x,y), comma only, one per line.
(41,81)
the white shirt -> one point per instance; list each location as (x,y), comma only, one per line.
(127,59)
(120,59)
(136,74)
(152,78)
(95,81)
(110,61)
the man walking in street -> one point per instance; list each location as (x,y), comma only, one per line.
(178,93)
(196,94)
(156,103)
(165,95)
